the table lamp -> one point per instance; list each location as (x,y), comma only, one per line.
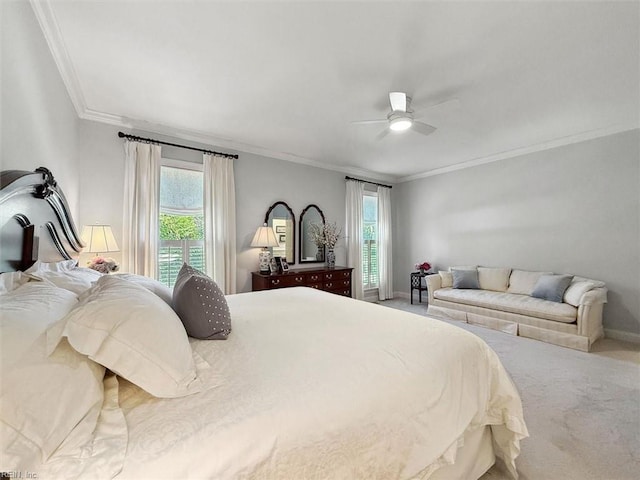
(265,237)
(99,239)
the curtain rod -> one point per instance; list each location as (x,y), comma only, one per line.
(367,181)
(151,140)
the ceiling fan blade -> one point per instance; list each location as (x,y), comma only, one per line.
(422,128)
(446,105)
(369,122)
(398,101)
(382,134)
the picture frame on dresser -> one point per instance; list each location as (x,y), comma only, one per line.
(273,266)
(284,266)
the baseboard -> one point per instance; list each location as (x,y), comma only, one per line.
(622,335)
(404,295)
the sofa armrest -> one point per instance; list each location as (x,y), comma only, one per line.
(590,314)
(434,282)
(594,296)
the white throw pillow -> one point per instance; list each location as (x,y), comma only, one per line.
(573,294)
(446,279)
(160,289)
(495,279)
(523,282)
(45,399)
(596,283)
(135,334)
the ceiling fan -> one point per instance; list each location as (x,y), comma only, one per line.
(401,117)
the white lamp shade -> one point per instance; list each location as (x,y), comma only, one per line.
(265,237)
(99,239)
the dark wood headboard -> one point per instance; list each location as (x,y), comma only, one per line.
(35,222)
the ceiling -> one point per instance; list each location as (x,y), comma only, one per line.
(286,79)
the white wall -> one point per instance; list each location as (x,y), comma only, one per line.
(260,181)
(572,209)
(39,123)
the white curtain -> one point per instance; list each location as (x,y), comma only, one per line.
(140,215)
(353,234)
(220,221)
(385,266)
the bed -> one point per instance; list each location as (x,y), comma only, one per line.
(308,385)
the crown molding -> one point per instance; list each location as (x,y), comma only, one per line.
(517,152)
(49,25)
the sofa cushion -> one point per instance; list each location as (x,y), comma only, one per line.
(512,303)
(496,279)
(446,279)
(465,279)
(523,282)
(573,294)
(551,287)
(597,283)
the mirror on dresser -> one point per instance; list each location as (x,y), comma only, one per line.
(309,251)
(281,218)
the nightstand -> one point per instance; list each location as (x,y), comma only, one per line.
(418,283)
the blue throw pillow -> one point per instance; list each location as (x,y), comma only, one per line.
(551,287)
(465,279)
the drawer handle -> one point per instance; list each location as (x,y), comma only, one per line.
(329,276)
(275,282)
(345,283)
(329,285)
(314,277)
(299,279)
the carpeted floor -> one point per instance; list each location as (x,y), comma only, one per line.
(582,409)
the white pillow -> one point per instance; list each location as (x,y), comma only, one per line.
(596,283)
(496,279)
(45,399)
(62,266)
(523,282)
(573,294)
(446,279)
(77,280)
(160,289)
(135,334)
(11,280)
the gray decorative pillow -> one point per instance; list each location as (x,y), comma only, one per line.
(201,305)
(465,278)
(551,287)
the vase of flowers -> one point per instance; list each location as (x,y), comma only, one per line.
(326,236)
(423,267)
(103,265)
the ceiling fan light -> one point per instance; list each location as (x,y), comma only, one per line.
(400,124)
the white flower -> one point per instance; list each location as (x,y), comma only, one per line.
(326,234)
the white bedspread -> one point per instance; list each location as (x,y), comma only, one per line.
(311,385)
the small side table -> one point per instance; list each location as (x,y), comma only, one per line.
(417,283)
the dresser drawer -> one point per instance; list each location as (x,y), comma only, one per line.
(315,277)
(296,280)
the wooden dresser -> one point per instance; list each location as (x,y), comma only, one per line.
(334,280)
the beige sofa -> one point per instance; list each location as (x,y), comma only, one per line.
(504,302)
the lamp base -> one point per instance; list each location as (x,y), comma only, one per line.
(265,261)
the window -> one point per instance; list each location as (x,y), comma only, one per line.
(369,241)
(181,222)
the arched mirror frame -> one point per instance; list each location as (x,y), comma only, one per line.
(291,260)
(300,232)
